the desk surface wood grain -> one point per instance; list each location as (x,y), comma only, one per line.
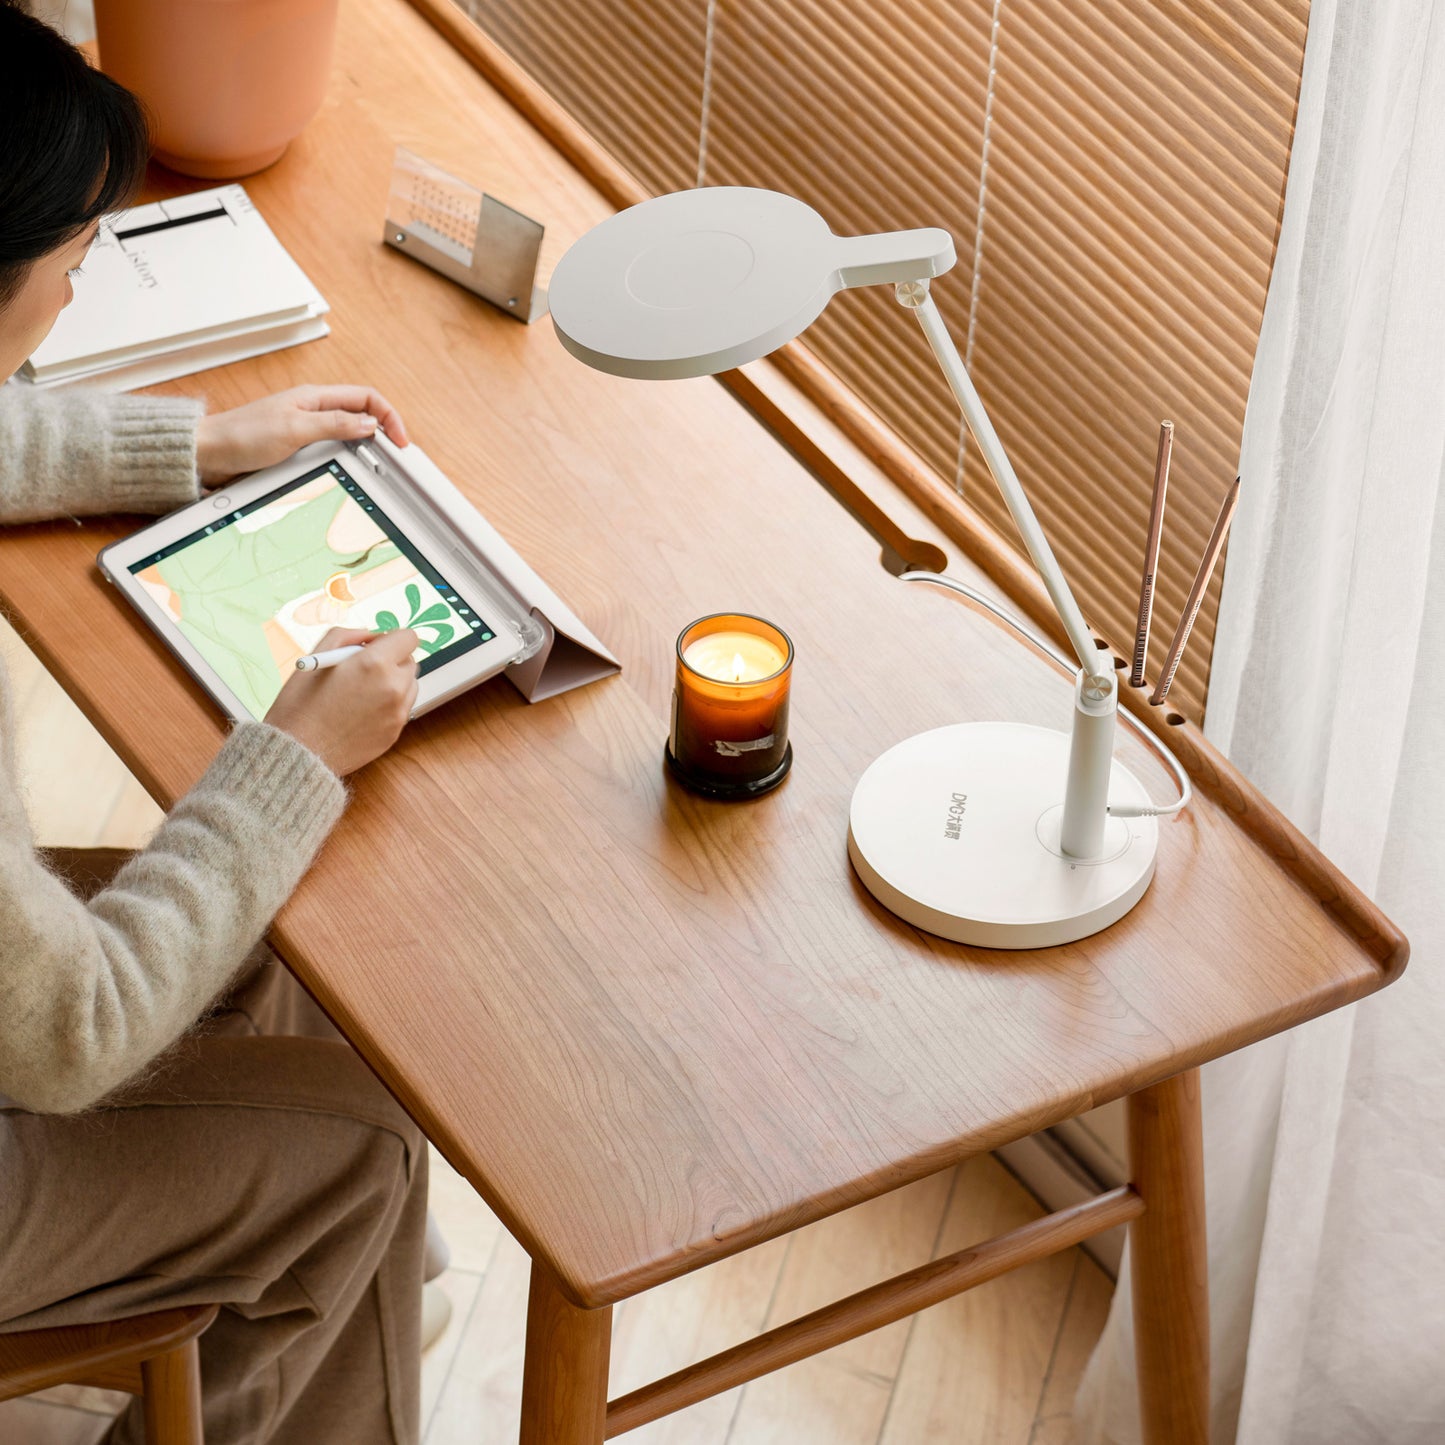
(651,1029)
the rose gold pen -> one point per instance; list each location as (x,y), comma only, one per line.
(1196,593)
(1151,551)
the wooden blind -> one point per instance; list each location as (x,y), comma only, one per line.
(630,70)
(1112,174)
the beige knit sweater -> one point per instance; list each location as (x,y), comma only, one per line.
(91,993)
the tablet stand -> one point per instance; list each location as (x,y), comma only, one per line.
(570,655)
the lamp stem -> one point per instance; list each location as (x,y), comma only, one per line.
(915,296)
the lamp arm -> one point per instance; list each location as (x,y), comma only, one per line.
(915,295)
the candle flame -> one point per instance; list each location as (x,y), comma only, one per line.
(739,667)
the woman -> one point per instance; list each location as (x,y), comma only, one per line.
(143,1162)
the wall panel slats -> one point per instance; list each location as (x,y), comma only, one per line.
(805,99)
(1124,223)
(630,70)
(1137,161)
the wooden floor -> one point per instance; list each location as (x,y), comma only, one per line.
(996,1366)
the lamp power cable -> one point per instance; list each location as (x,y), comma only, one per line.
(1069,668)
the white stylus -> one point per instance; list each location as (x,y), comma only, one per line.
(328,658)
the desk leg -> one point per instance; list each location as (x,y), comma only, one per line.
(564,1380)
(1167,1253)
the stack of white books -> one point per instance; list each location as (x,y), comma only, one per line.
(176,287)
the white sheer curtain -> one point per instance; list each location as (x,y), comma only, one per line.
(1325,1149)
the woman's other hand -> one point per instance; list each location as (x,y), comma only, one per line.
(264,432)
(350,714)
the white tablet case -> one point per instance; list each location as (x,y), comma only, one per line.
(572,655)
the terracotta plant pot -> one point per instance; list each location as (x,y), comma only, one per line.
(229,83)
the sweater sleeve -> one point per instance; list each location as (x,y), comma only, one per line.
(90,993)
(79,453)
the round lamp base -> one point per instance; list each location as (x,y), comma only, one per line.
(957,832)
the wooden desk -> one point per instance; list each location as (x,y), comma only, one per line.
(653,1030)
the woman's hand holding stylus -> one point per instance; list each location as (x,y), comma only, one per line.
(350,714)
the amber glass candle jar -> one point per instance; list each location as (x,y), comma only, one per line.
(730,707)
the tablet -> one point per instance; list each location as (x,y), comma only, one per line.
(245,581)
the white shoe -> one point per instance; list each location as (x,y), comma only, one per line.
(436,1314)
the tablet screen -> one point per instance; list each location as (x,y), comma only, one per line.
(261,586)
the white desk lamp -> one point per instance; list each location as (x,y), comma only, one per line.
(960,830)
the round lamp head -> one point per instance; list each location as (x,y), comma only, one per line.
(701,281)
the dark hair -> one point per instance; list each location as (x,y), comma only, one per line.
(73,143)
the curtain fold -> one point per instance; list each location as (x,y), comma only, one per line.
(1325,1149)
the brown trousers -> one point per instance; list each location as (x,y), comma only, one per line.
(259,1166)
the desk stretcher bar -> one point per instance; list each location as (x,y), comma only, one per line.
(874,1307)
